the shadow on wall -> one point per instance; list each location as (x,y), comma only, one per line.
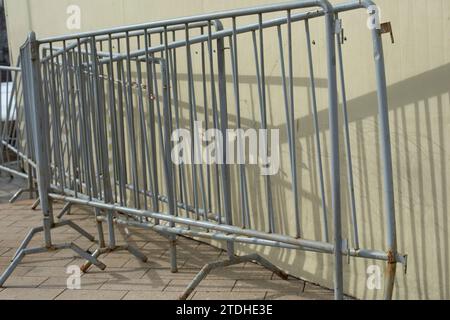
(420,155)
(420,158)
(418,122)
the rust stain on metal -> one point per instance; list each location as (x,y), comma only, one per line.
(391,257)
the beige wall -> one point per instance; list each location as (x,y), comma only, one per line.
(418,73)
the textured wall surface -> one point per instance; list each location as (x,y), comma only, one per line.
(418,73)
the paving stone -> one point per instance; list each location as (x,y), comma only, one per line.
(57,232)
(153,263)
(23,282)
(244,274)
(139,236)
(5,223)
(65,254)
(114,261)
(199,261)
(36,242)
(228,296)
(16,215)
(25,223)
(20,270)
(301,296)
(39,261)
(91,295)
(286,296)
(205,285)
(269,286)
(3,251)
(136,285)
(29,294)
(12,230)
(151,295)
(317,292)
(14,237)
(155,253)
(44,276)
(47,272)
(162,245)
(5,261)
(186,274)
(116,273)
(71,237)
(61,283)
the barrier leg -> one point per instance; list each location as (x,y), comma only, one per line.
(27,240)
(270,266)
(207,268)
(112,247)
(75,227)
(16,195)
(65,210)
(173,255)
(36,204)
(136,252)
(22,253)
(130,248)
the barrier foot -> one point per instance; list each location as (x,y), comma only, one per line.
(36,204)
(270,266)
(226,263)
(23,252)
(75,227)
(137,253)
(84,268)
(27,241)
(128,247)
(172,250)
(65,210)
(18,194)
(36,230)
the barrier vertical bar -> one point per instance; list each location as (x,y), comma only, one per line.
(223,128)
(386,157)
(41,133)
(167,163)
(347,143)
(317,133)
(334,138)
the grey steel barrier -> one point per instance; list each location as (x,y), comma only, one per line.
(104,106)
(16,155)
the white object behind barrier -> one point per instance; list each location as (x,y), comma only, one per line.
(6,89)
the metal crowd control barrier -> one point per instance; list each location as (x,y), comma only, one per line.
(15,153)
(104,105)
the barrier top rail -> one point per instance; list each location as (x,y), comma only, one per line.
(325,5)
(117,36)
(229,32)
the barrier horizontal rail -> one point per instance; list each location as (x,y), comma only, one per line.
(104,107)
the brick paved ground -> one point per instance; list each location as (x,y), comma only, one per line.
(9,186)
(44,276)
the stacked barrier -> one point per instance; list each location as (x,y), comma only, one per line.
(104,105)
(16,155)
